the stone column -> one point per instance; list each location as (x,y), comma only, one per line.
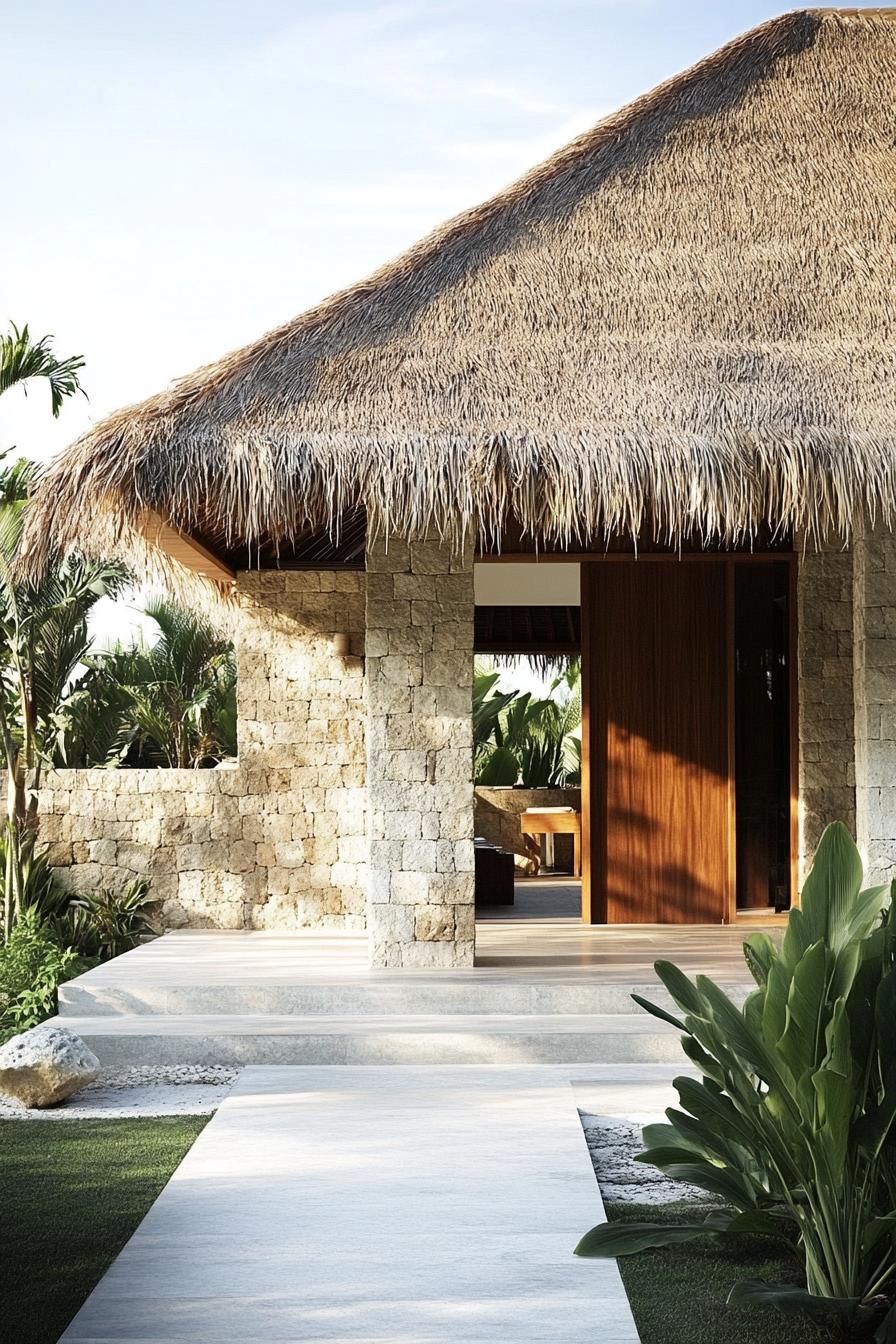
(874,675)
(420,754)
(825,693)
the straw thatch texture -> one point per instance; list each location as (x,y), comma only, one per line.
(684,322)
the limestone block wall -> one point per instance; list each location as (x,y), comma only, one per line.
(496,817)
(279,841)
(874,601)
(420,754)
(826,712)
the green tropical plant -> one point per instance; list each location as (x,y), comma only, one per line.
(522,739)
(43,638)
(105,923)
(43,624)
(184,692)
(167,702)
(33,964)
(792,1122)
(94,725)
(39,889)
(22,359)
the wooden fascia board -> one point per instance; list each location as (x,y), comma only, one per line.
(183,548)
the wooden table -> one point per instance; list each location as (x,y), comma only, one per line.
(538,821)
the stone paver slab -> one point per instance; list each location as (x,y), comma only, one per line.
(415,1205)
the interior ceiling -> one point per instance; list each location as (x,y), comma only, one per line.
(516,629)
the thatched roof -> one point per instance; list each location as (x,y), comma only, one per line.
(685,321)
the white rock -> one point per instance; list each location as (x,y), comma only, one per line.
(45,1065)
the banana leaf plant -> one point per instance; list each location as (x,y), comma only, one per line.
(791,1120)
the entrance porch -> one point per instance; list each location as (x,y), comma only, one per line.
(542,992)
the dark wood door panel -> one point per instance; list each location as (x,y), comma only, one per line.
(658,737)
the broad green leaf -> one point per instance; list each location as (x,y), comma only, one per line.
(715,1109)
(498,768)
(705,1062)
(835,1108)
(801,1045)
(731,1024)
(830,891)
(872,1130)
(755,1222)
(733,1186)
(609,1240)
(683,991)
(876,1230)
(792,1300)
(867,910)
(760,954)
(774,1011)
(838,1052)
(655,1011)
(702,1138)
(658,1136)
(666,1155)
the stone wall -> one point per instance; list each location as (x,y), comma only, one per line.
(496,817)
(874,674)
(825,694)
(279,841)
(420,754)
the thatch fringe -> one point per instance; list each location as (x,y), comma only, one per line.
(681,325)
(545,665)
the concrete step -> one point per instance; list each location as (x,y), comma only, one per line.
(436,1038)
(460,995)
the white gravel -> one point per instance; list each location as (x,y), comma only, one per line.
(613,1143)
(141,1091)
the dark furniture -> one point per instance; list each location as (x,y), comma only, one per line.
(494,874)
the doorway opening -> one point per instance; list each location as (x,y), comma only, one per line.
(527,714)
(686,797)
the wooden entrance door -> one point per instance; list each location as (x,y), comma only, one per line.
(655,658)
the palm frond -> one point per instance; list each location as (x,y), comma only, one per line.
(23,358)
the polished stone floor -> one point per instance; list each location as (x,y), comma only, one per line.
(557,897)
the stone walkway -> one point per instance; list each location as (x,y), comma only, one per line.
(402,1204)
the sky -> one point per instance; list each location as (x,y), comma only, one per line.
(180,177)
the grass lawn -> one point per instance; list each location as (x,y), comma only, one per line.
(71,1193)
(678,1295)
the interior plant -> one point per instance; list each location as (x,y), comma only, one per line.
(791,1122)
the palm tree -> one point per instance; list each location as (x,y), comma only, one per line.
(43,624)
(171,702)
(183,693)
(22,359)
(43,638)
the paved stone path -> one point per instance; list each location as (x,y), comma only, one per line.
(414,1205)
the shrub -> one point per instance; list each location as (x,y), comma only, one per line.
(39,888)
(792,1121)
(33,964)
(105,923)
